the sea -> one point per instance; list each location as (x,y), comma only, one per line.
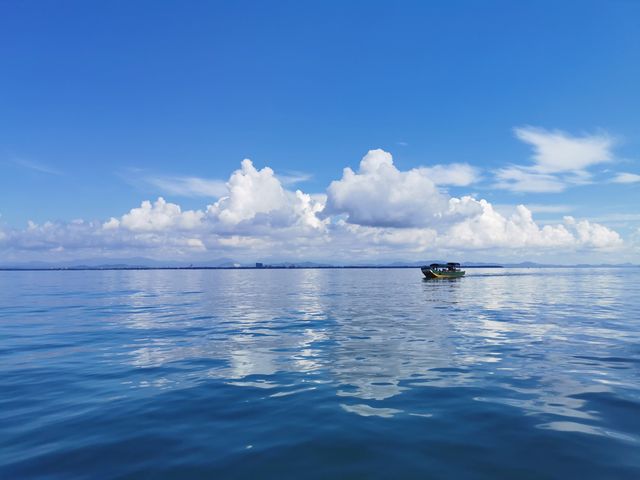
(320,373)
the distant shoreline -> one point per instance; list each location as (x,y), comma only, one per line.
(275,267)
(291,267)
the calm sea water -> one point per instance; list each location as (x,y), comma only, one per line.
(320,374)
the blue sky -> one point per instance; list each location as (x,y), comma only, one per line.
(104,105)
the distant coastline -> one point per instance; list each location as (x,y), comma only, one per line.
(288,266)
(242,267)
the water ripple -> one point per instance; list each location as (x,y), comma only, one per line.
(317,373)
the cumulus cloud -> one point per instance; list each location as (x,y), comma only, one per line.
(253,202)
(251,192)
(380,195)
(258,197)
(256,214)
(558,161)
(157,216)
(490,229)
(195,186)
(593,234)
(376,211)
(51,236)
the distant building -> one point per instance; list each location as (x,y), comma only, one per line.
(259,265)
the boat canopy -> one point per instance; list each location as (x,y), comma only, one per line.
(445,265)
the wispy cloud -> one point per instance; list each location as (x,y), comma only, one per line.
(186,186)
(559,160)
(548,208)
(294,177)
(557,151)
(508,209)
(454,174)
(618,218)
(626,178)
(520,179)
(36,166)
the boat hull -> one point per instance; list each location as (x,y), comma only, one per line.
(428,273)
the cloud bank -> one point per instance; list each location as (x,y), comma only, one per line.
(372,212)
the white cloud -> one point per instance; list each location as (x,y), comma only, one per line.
(635,240)
(361,240)
(556,151)
(195,243)
(626,178)
(454,174)
(188,186)
(618,218)
(559,160)
(158,216)
(293,178)
(36,166)
(250,192)
(257,197)
(380,195)
(491,230)
(549,208)
(111,224)
(376,212)
(520,179)
(593,234)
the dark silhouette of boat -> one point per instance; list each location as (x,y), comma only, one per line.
(443,270)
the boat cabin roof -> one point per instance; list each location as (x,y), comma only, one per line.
(445,265)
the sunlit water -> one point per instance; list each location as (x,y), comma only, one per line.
(531,373)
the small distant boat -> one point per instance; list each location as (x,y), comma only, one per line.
(443,270)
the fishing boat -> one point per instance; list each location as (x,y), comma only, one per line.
(443,270)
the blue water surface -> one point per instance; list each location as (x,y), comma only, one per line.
(530,373)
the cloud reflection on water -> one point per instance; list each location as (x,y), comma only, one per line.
(375,335)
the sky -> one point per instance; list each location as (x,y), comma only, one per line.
(322,131)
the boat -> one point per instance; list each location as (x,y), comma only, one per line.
(443,270)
